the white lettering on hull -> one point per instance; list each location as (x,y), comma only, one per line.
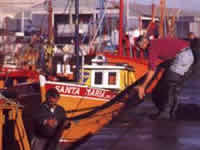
(82,91)
(68,90)
(95,92)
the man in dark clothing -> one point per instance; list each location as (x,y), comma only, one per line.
(48,119)
(195,46)
(165,93)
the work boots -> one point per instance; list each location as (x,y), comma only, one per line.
(162,115)
(153,116)
(169,113)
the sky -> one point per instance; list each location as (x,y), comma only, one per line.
(11,7)
(186,4)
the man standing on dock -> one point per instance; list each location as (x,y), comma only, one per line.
(50,121)
(180,56)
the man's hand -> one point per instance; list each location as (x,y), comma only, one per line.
(67,124)
(141,88)
(52,123)
(141,91)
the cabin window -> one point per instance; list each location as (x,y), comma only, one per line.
(98,78)
(112,78)
(105,79)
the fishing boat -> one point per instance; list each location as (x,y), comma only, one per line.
(103,90)
(12,67)
(101,84)
(11,74)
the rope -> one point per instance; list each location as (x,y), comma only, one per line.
(118,98)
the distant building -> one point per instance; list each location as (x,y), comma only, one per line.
(186,21)
(36,18)
(64,18)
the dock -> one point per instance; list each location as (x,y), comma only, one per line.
(133,130)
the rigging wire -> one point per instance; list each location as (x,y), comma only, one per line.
(68,6)
(98,28)
(44,18)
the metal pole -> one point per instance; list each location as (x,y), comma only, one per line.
(77,70)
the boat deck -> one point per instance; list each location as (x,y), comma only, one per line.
(132,130)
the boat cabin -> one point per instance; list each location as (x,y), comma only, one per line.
(108,76)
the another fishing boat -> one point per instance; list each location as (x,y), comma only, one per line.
(11,74)
(13,67)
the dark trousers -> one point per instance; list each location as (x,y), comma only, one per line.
(39,143)
(165,94)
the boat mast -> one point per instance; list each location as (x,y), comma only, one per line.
(50,26)
(162,15)
(150,26)
(153,11)
(120,52)
(101,21)
(5,32)
(49,49)
(77,70)
(171,23)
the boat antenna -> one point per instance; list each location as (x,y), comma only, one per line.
(77,69)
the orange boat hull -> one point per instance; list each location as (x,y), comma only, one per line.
(79,100)
(90,125)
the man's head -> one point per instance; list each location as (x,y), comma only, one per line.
(142,42)
(52,96)
(191,35)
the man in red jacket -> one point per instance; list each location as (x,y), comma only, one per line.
(165,93)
